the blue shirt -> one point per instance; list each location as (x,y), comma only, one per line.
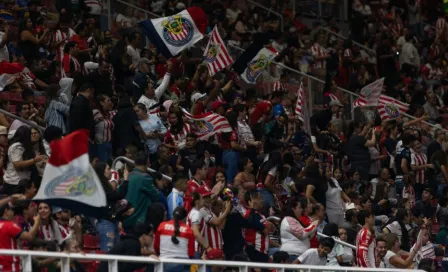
(175,199)
(151,125)
(278,110)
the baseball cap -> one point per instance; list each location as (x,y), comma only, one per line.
(167,105)
(56,209)
(203,191)
(335,103)
(195,97)
(143,61)
(216,104)
(3,130)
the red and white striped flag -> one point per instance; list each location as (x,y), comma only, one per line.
(300,98)
(390,108)
(9,72)
(370,94)
(215,54)
(277,86)
(207,124)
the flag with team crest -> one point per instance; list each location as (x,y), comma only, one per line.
(215,55)
(175,33)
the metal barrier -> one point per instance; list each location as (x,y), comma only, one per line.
(13,116)
(113,260)
(269,10)
(346,38)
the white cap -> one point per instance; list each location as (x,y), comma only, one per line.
(195,97)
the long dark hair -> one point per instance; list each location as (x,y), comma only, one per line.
(22,136)
(331,229)
(177,128)
(275,159)
(41,147)
(401,214)
(179,214)
(100,168)
(155,215)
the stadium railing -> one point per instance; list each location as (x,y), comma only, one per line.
(201,265)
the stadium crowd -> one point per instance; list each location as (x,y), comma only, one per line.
(259,193)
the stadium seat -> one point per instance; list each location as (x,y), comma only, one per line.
(91,242)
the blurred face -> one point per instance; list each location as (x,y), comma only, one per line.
(3,140)
(381,248)
(323,251)
(426,196)
(74,247)
(385,175)
(337,174)
(164,154)
(104,68)
(425,238)
(202,172)
(249,166)
(321,212)
(25,112)
(64,215)
(356,176)
(140,113)
(417,146)
(144,68)
(107,104)
(183,185)
(257,202)
(343,234)
(220,177)
(367,205)
(44,210)
(108,172)
(9,214)
(31,192)
(29,24)
(298,211)
(172,119)
(190,142)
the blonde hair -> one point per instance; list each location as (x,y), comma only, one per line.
(390,239)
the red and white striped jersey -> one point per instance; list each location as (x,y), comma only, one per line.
(64,229)
(179,139)
(212,234)
(348,53)
(195,218)
(419,159)
(319,51)
(277,86)
(165,247)
(409,193)
(45,232)
(60,36)
(27,77)
(67,60)
(258,239)
(9,233)
(365,248)
(430,72)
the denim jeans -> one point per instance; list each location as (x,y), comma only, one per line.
(230,160)
(109,235)
(102,151)
(268,198)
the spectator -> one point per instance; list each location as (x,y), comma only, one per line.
(365,241)
(23,109)
(347,257)
(391,259)
(176,197)
(142,236)
(317,256)
(103,119)
(81,115)
(141,192)
(152,95)
(199,173)
(20,160)
(336,256)
(57,112)
(101,79)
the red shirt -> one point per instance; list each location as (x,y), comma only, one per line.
(82,43)
(164,246)
(255,238)
(306,221)
(224,142)
(9,233)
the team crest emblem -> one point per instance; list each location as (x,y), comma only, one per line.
(392,110)
(177,30)
(256,67)
(212,52)
(72,183)
(203,127)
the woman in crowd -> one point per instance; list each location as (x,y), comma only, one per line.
(335,199)
(20,160)
(175,239)
(392,259)
(347,256)
(267,178)
(28,43)
(6,106)
(103,128)
(57,112)
(295,236)
(245,178)
(38,148)
(399,225)
(176,136)
(152,127)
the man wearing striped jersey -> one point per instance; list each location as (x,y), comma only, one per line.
(365,241)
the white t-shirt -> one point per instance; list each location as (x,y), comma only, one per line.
(134,53)
(389,255)
(311,257)
(338,250)
(11,175)
(4,53)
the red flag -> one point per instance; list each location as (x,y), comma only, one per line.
(370,94)
(208,124)
(300,98)
(216,55)
(9,72)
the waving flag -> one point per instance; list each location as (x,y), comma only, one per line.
(390,108)
(370,94)
(208,124)
(255,59)
(9,72)
(299,104)
(69,180)
(175,33)
(215,54)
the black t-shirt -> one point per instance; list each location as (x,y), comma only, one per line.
(357,151)
(189,156)
(405,153)
(433,147)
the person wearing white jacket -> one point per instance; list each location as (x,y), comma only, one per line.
(151,95)
(295,237)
